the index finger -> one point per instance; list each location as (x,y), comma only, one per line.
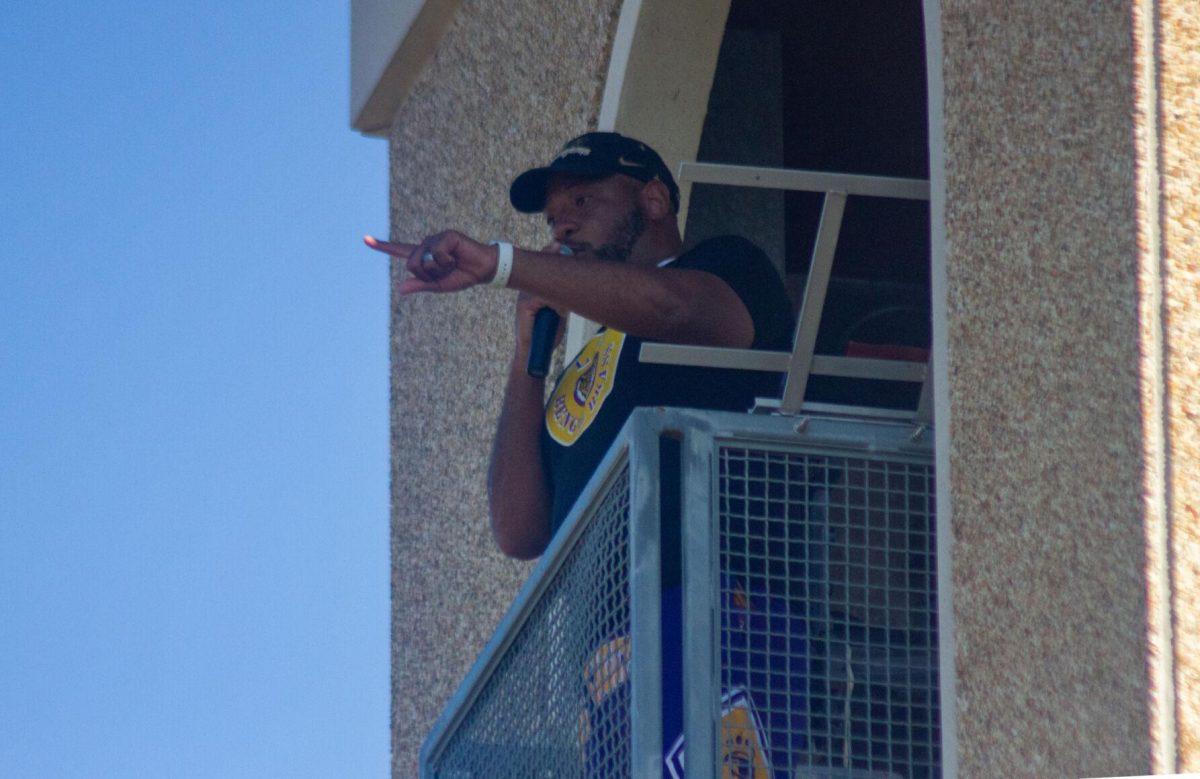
(394,248)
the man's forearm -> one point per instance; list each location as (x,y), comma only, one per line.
(660,304)
(680,306)
(517,494)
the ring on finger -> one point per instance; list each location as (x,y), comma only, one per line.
(427,256)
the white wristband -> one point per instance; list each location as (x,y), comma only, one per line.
(504,264)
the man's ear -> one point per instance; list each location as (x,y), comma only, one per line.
(655,200)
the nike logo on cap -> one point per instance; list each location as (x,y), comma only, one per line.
(581,150)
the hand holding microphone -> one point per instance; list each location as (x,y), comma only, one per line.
(541,341)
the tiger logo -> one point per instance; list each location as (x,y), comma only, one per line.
(583,387)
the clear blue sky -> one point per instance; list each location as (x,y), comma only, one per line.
(193,395)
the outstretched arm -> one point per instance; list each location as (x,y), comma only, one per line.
(662,304)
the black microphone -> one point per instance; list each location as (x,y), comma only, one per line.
(541,341)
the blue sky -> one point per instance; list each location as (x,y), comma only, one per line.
(193,395)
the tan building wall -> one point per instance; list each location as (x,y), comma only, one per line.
(1055,362)
(1174,33)
(1071,155)
(510,81)
(1046,430)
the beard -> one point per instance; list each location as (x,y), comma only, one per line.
(625,236)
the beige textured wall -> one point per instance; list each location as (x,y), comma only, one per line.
(1178,58)
(1046,428)
(1052,331)
(508,84)
(1155,450)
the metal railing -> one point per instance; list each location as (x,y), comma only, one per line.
(798,640)
(801,362)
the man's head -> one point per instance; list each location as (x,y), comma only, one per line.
(603,194)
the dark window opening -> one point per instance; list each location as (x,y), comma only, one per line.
(834,87)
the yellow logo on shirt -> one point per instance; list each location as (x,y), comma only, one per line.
(583,387)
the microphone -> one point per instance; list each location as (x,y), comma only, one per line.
(541,341)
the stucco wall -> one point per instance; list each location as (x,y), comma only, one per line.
(1073,331)
(508,84)
(1177,56)
(1046,426)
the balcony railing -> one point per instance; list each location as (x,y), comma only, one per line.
(744,595)
(802,362)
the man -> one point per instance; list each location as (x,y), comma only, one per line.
(612,201)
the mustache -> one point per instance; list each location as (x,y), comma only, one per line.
(608,252)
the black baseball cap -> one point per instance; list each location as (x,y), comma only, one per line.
(592,154)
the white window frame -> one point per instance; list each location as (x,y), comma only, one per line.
(801,362)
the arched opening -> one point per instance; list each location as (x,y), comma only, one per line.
(835,88)
(818,85)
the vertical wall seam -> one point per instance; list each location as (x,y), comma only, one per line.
(1156,424)
(1167,609)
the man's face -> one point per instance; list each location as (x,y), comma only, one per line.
(599,217)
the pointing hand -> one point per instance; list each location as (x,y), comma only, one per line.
(445,262)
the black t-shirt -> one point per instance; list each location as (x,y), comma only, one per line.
(597,391)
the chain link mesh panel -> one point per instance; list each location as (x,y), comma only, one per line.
(829,614)
(557,704)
